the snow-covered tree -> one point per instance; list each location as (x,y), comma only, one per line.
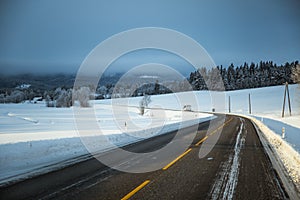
(296,74)
(102,90)
(16,97)
(144,103)
(2,98)
(49,102)
(214,81)
(82,95)
(57,93)
(61,98)
(64,99)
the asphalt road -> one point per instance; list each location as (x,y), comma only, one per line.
(236,168)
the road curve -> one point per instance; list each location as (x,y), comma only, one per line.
(236,168)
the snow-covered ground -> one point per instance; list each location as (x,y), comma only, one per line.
(33,138)
(267,106)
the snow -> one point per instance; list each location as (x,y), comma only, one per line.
(35,138)
(234,169)
(292,134)
(23,86)
(283,150)
(267,107)
(224,186)
(149,77)
(265,101)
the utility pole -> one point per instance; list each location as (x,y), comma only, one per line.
(288,94)
(229,109)
(249,104)
(286,91)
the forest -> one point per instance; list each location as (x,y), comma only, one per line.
(262,74)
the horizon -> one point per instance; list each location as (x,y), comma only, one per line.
(115,73)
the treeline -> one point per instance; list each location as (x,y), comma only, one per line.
(252,75)
(55,89)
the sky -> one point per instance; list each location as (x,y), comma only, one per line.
(42,36)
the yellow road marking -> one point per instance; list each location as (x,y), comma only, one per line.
(205,138)
(138,188)
(178,158)
(202,140)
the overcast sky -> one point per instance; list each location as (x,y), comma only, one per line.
(56,35)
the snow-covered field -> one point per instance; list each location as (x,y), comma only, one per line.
(34,138)
(266,105)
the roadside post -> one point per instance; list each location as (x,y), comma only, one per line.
(283,133)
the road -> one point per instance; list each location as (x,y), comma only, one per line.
(236,168)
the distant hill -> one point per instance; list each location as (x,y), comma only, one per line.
(47,82)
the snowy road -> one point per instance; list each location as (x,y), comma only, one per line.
(236,168)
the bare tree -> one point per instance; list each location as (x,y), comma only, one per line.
(144,103)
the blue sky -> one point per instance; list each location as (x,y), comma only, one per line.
(55,36)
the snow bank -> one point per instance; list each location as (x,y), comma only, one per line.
(291,133)
(25,159)
(293,120)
